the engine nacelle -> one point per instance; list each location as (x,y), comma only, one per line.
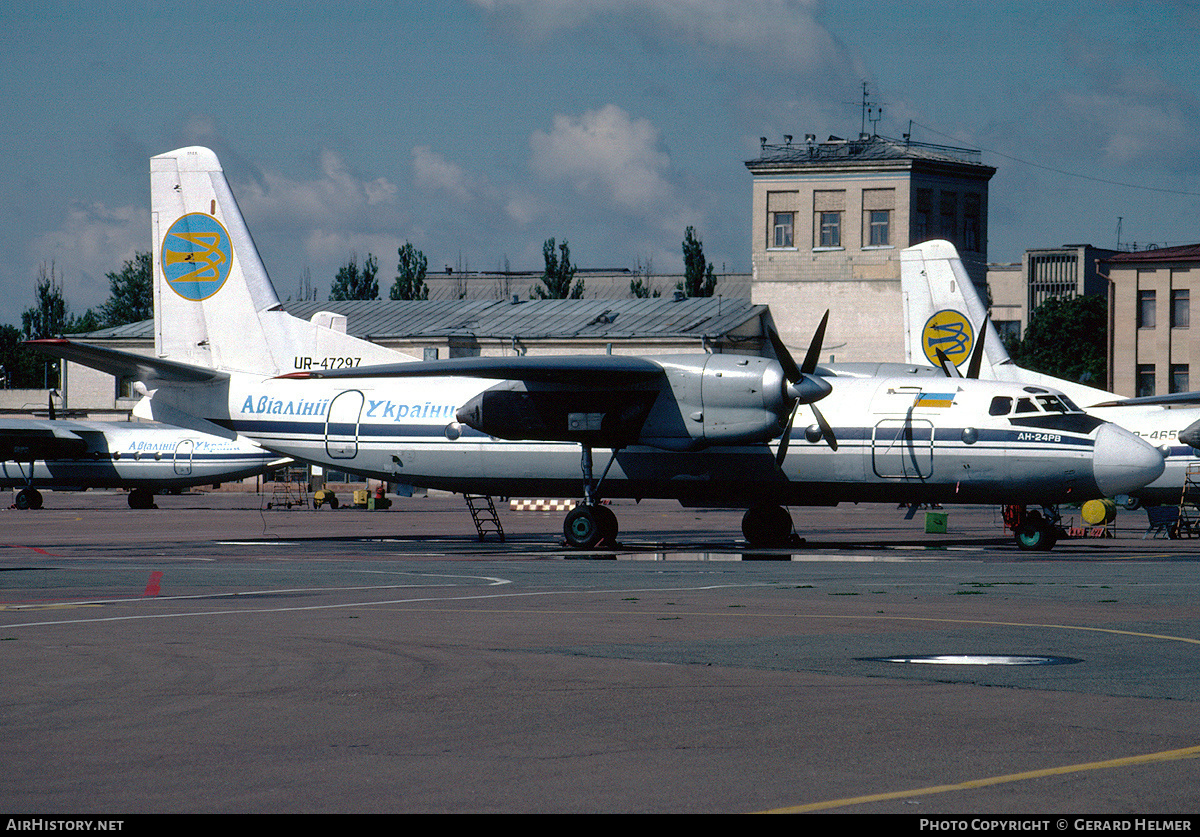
(699,401)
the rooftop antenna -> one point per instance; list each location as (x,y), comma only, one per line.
(871,111)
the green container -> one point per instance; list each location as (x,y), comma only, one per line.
(935,523)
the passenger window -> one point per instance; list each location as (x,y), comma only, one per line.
(1024,405)
(1001,404)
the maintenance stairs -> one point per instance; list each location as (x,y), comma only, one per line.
(483,512)
(1189,504)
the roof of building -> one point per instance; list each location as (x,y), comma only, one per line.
(838,152)
(1183,253)
(596,319)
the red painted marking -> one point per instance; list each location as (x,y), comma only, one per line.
(34,548)
(152,588)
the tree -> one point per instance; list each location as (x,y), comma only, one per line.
(353,283)
(22,368)
(130,293)
(49,313)
(410,279)
(559,274)
(698,279)
(1067,337)
(641,286)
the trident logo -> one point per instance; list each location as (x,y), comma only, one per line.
(951,332)
(196,256)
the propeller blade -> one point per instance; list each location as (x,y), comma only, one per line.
(814,348)
(947,367)
(977,353)
(790,370)
(786,437)
(826,430)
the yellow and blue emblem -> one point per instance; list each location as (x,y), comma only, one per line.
(951,332)
(196,256)
(926,400)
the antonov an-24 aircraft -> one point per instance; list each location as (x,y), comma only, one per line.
(701,429)
(943,312)
(142,457)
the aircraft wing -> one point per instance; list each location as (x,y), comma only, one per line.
(599,370)
(37,439)
(1174,399)
(128,364)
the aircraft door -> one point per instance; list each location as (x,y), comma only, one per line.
(903,449)
(183,457)
(341,425)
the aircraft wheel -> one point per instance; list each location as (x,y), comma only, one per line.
(1132,504)
(141,498)
(607,520)
(1035,536)
(582,528)
(22,500)
(767,525)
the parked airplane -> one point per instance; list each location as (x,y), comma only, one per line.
(943,311)
(69,454)
(696,428)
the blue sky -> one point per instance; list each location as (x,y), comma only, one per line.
(477,129)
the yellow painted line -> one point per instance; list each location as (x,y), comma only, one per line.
(1149,758)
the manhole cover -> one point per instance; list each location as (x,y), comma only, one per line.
(976,660)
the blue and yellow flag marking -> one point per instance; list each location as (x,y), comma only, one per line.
(934,399)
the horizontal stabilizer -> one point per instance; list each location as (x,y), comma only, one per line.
(543,369)
(127,364)
(149,408)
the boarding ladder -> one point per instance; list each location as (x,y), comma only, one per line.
(1189,504)
(291,490)
(483,512)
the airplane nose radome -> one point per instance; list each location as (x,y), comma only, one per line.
(1121,462)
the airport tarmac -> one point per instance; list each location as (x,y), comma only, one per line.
(216,656)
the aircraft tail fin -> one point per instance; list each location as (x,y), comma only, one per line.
(943,311)
(214,304)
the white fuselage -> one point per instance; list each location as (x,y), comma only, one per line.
(130,455)
(895,443)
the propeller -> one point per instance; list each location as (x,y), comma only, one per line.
(803,386)
(977,353)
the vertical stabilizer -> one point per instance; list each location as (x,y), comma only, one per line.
(943,311)
(214,304)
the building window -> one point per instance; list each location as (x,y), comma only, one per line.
(949,213)
(880,228)
(877,206)
(1180,313)
(783,224)
(972,222)
(1179,377)
(1145,310)
(828,207)
(1145,379)
(922,209)
(831,229)
(781,219)
(125,386)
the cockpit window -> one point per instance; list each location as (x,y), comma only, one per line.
(1001,404)
(1025,405)
(1071,405)
(1052,404)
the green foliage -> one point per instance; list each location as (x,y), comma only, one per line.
(1067,337)
(130,294)
(355,283)
(23,368)
(49,312)
(559,274)
(698,279)
(410,278)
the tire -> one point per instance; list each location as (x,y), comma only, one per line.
(607,521)
(767,525)
(141,498)
(22,501)
(581,528)
(1035,536)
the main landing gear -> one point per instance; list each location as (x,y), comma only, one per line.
(1032,530)
(767,525)
(141,498)
(28,498)
(590,524)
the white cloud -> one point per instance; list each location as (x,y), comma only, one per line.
(606,153)
(433,172)
(93,241)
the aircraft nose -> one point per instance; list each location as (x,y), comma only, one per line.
(1121,462)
